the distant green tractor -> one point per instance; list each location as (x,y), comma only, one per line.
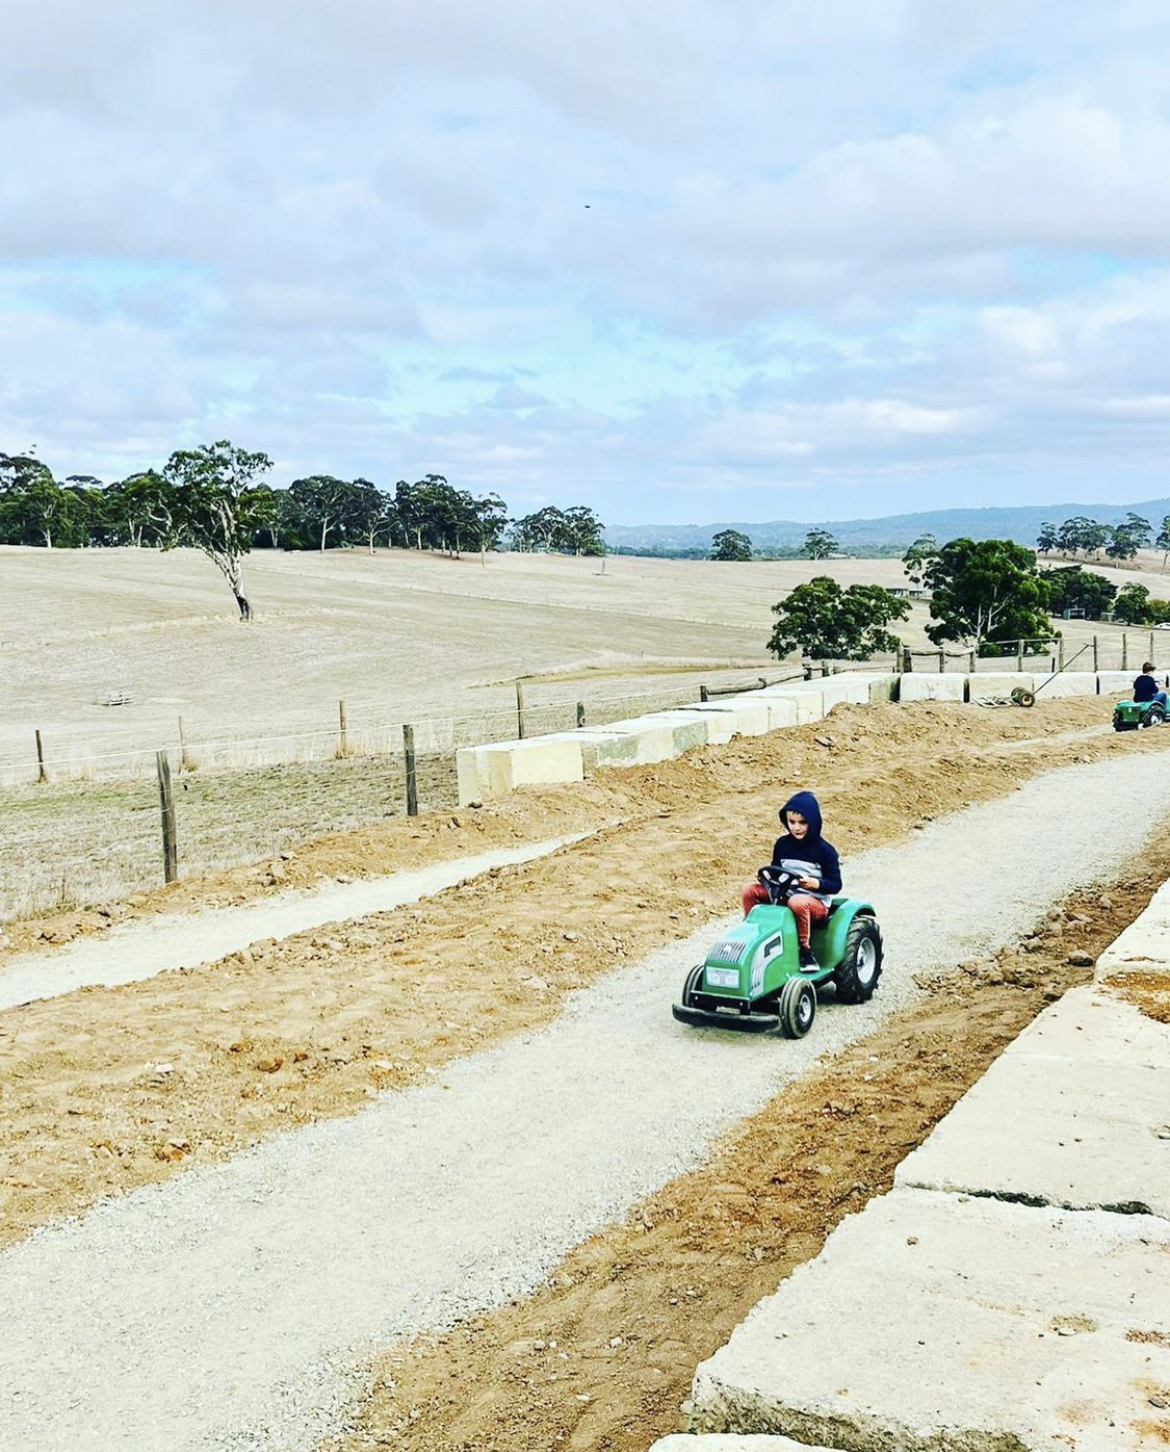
(752,980)
(1129,715)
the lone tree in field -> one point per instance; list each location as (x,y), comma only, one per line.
(986,591)
(819,544)
(824,622)
(730,544)
(918,556)
(219,506)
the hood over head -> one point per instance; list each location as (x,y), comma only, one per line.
(808,807)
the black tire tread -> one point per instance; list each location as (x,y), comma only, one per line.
(849,988)
(790,996)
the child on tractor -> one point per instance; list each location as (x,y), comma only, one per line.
(1146,688)
(803,852)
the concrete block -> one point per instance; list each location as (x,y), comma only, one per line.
(928,686)
(810,703)
(883,687)
(1069,1114)
(998,683)
(1144,946)
(1069,683)
(720,726)
(781,710)
(494,770)
(642,740)
(933,1324)
(1118,684)
(846,689)
(748,712)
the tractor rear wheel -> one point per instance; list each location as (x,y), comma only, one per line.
(1155,716)
(797,1007)
(861,963)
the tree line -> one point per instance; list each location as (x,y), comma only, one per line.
(985,595)
(1083,536)
(216,499)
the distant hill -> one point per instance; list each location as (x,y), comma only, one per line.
(892,531)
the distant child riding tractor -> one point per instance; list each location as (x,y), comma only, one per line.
(765,973)
(1148,707)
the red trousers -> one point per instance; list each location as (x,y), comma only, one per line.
(806,909)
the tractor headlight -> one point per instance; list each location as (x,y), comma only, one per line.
(722,977)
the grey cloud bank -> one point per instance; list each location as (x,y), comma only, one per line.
(675,262)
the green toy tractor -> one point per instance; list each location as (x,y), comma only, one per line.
(752,979)
(1129,715)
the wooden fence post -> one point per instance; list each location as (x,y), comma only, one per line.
(1151,654)
(342,732)
(411,771)
(580,714)
(184,759)
(1019,655)
(1060,653)
(1125,650)
(942,662)
(971,662)
(42,774)
(519,711)
(704,693)
(1096,655)
(166,800)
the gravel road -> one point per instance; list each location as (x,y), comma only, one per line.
(133,951)
(233,1307)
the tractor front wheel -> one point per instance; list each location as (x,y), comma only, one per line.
(691,985)
(797,1007)
(861,963)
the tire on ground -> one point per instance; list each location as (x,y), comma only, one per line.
(797,1007)
(690,985)
(861,963)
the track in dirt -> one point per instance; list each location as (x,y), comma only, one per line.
(308,1027)
(531,1147)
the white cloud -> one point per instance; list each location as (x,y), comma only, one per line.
(718,243)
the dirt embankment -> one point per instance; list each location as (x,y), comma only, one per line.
(109,1089)
(601,1359)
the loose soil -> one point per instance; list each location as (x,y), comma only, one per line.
(603,1356)
(109,1089)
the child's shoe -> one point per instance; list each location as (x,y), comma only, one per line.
(808,959)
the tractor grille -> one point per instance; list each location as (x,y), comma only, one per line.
(729,950)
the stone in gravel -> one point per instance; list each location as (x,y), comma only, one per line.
(1081,959)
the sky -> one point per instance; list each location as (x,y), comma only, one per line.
(704,260)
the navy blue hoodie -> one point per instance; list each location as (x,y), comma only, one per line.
(812,857)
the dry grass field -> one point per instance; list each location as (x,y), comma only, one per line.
(399,636)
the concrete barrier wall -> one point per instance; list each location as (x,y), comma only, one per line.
(1071,683)
(805,696)
(925,686)
(994,684)
(490,771)
(746,715)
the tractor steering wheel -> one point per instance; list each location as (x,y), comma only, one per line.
(779,883)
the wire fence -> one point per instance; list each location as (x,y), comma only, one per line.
(355,736)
